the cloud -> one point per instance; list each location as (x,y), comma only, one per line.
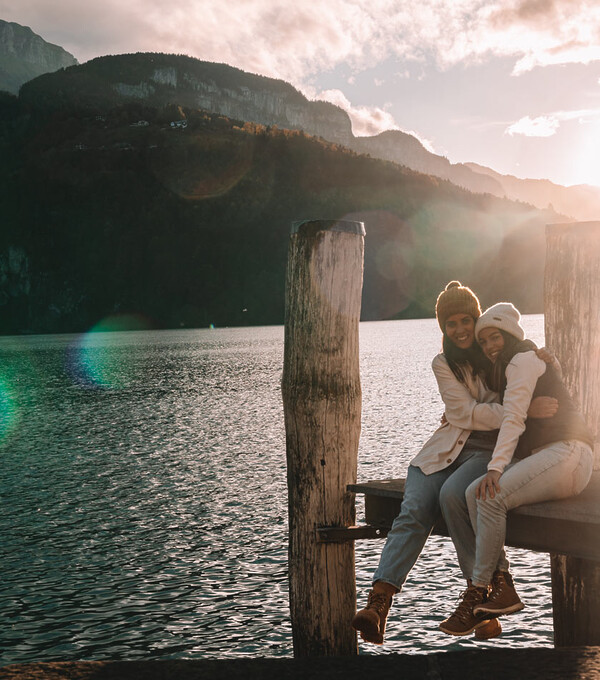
(564,54)
(547,125)
(294,41)
(368,121)
(546,32)
(542,126)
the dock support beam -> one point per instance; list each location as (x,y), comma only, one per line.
(322,409)
(572,320)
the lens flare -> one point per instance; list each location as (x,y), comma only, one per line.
(9,411)
(206,168)
(96,359)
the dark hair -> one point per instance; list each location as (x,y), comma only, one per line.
(495,376)
(460,359)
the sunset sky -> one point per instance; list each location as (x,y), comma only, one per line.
(511,84)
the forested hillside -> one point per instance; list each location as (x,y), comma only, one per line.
(119,211)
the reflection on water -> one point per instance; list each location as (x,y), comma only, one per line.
(144,516)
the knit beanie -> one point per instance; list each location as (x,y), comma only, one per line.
(456,299)
(503,315)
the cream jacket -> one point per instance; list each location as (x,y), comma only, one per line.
(468,406)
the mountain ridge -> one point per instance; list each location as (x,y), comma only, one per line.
(405,149)
(188,225)
(158,79)
(121,193)
(161,79)
(25,55)
(582,200)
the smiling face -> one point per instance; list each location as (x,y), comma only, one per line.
(492,343)
(460,328)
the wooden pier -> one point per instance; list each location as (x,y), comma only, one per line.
(570,526)
(321,391)
(492,664)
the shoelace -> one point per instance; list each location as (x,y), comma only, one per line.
(469,598)
(377,601)
(499,584)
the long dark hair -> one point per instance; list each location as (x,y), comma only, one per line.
(495,375)
(460,360)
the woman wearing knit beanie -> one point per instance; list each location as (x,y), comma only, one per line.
(534,460)
(456,454)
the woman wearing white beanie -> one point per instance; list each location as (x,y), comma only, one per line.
(534,460)
(456,454)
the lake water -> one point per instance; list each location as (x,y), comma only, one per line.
(144,498)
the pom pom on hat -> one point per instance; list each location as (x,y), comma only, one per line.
(456,299)
(503,315)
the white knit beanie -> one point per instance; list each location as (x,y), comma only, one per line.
(503,315)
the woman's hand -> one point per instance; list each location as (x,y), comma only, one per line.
(489,485)
(545,355)
(549,357)
(542,407)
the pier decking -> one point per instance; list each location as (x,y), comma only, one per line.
(566,527)
(581,663)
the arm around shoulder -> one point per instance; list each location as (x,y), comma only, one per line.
(522,374)
(461,407)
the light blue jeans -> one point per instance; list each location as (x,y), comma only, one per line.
(421,509)
(560,470)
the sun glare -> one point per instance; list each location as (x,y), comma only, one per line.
(586,157)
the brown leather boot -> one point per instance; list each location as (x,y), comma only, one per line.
(463,620)
(491,629)
(503,598)
(370,621)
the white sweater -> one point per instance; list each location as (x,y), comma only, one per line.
(522,374)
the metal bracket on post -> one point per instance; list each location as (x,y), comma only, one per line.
(353,533)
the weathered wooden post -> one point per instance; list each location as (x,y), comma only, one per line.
(322,408)
(572,309)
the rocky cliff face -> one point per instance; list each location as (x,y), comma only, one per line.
(25,55)
(265,104)
(316,118)
(162,79)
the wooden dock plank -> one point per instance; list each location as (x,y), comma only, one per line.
(568,527)
(577,663)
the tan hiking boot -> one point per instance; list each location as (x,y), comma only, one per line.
(370,621)
(503,598)
(463,621)
(491,629)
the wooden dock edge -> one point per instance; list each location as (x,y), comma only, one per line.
(567,527)
(572,663)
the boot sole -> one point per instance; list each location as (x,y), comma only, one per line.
(491,630)
(482,609)
(368,633)
(376,639)
(462,633)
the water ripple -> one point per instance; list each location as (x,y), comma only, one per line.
(149,519)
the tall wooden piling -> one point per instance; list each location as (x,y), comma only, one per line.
(322,409)
(572,321)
